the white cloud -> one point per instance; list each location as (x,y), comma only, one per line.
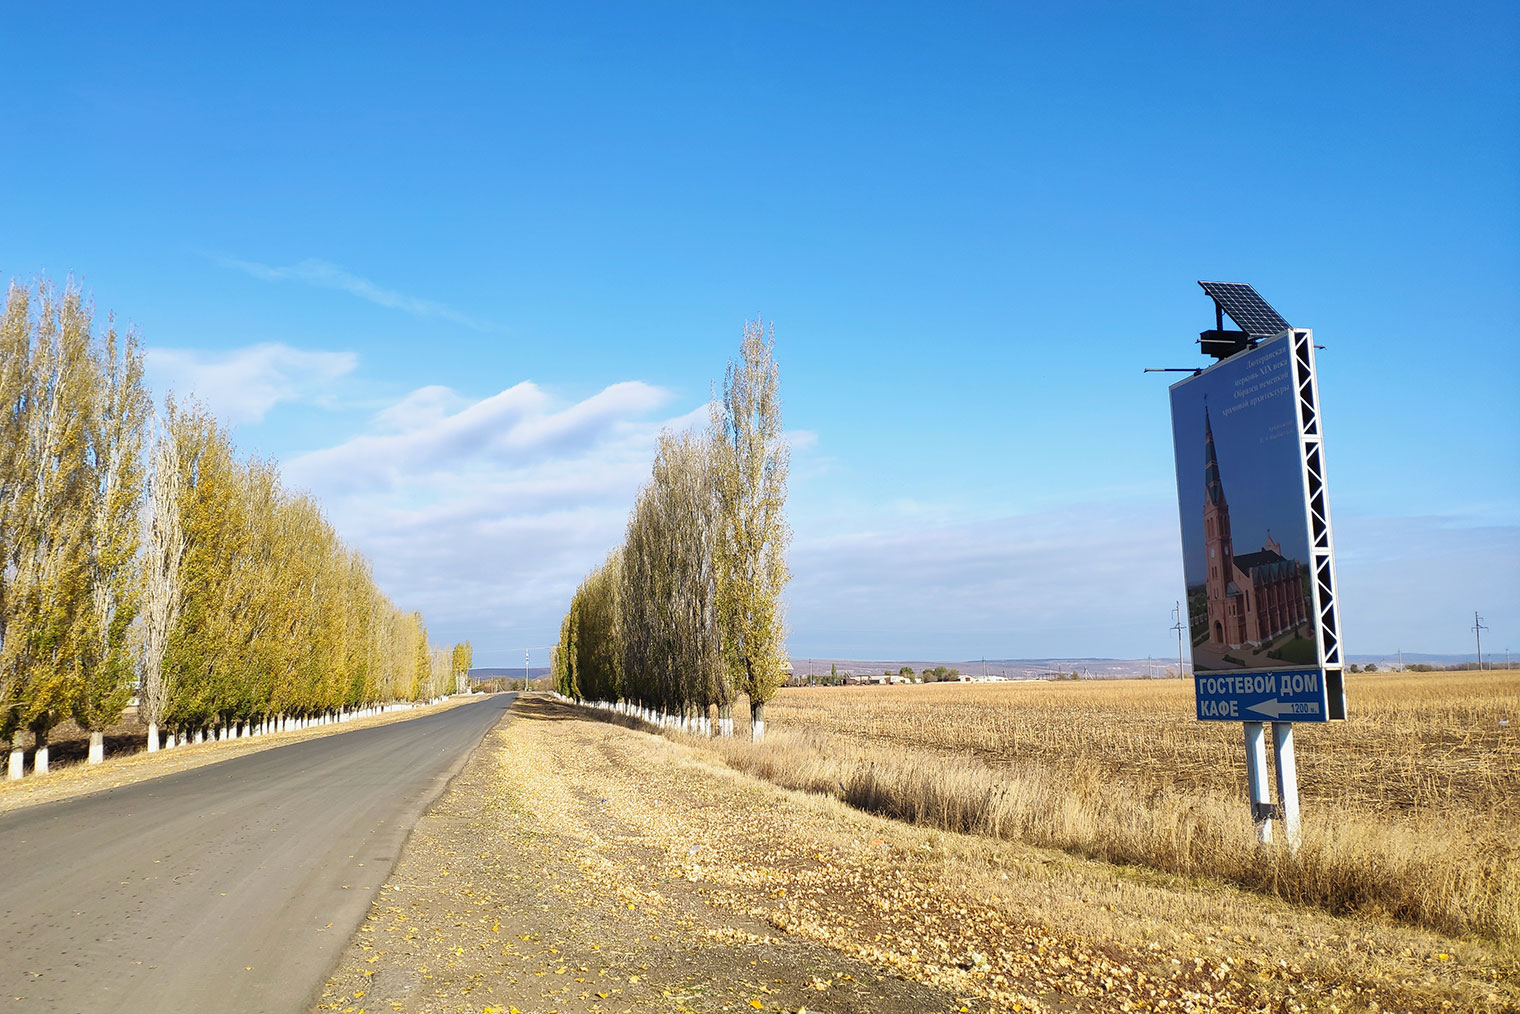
(422,441)
(242,385)
(1089,579)
(801,440)
(486,514)
(425,406)
(329,276)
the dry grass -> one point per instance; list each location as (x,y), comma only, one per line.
(1411,808)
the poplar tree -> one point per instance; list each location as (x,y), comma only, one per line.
(106,662)
(563,658)
(422,660)
(200,653)
(15,387)
(599,662)
(49,595)
(752,460)
(463,657)
(685,524)
(164,552)
(642,592)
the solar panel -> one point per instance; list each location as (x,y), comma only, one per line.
(1246,308)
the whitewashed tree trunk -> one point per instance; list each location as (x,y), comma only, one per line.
(40,760)
(757,721)
(172,743)
(17,765)
(200,735)
(97,747)
(153,737)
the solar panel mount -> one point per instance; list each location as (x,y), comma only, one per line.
(1246,308)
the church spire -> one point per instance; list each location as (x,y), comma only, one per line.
(1213,487)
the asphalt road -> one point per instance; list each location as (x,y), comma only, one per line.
(233,886)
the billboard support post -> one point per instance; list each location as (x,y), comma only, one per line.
(1287,782)
(1256,779)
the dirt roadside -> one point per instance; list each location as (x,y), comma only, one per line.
(78,779)
(576,865)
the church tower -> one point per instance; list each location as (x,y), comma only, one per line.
(1216,540)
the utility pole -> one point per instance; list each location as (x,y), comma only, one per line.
(1177,614)
(525,672)
(1401,660)
(1478,629)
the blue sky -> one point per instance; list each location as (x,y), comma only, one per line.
(456,267)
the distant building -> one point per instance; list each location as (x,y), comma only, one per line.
(1254,597)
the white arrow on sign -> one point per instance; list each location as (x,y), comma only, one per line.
(1272,708)
(1276,709)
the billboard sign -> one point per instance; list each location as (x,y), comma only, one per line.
(1256,537)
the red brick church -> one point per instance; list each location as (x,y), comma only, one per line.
(1252,598)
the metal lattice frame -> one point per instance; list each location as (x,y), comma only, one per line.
(1321,544)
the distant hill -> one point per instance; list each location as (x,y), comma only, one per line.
(1033,668)
(1010,668)
(511,673)
(1097,668)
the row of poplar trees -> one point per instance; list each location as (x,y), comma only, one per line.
(686,616)
(140,555)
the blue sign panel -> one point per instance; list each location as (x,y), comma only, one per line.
(1288,695)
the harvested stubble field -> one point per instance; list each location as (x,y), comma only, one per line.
(1411,808)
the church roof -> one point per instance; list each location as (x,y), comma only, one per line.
(1261,558)
(1212,485)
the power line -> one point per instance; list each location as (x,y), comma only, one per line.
(1177,613)
(1477,629)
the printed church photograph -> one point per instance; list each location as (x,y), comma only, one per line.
(1249,603)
